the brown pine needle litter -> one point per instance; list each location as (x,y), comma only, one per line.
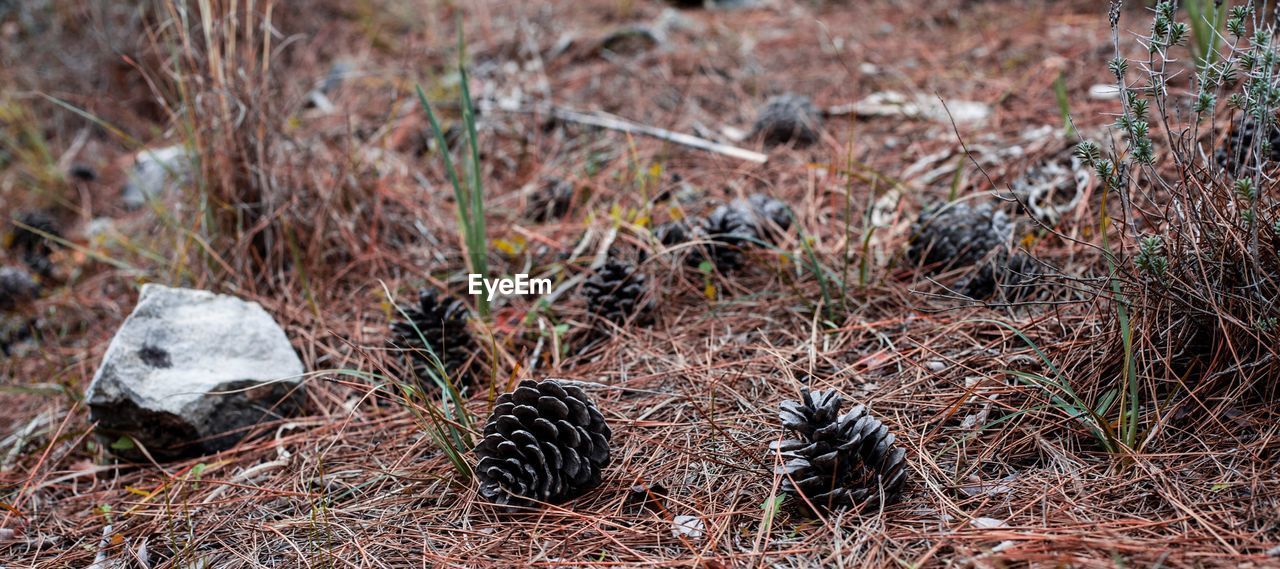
(312,209)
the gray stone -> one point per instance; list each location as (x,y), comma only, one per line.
(190,371)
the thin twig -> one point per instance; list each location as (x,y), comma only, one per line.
(611,122)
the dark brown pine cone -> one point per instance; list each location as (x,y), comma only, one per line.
(770,211)
(723,236)
(731,229)
(30,240)
(551,200)
(442,323)
(544,442)
(617,292)
(956,234)
(838,461)
(788,118)
(687,236)
(1007,277)
(17,288)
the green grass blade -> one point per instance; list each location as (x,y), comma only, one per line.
(1064,105)
(1030,343)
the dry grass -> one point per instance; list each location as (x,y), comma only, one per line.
(306,213)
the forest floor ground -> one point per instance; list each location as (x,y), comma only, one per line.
(998,476)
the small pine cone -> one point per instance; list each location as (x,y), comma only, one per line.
(788,118)
(1236,153)
(838,461)
(673,233)
(772,216)
(957,234)
(442,322)
(544,442)
(17,288)
(731,229)
(552,200)
(742,224)
(30,242)
(617,292)
(1010,275)
(688,235)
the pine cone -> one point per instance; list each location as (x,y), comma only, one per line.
(788,118)
(617,292)
(673,233)
(30,242)
(545,442)
(17,288)
(551,200)
(1237,152)
(742,224)
(956,235)
(729,230)
(691,232)
(1011,275)
(442,322)
(838,461)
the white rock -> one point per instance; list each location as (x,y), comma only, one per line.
(155,172)
(987,523)
(687,526)
(316,99)
(189,366)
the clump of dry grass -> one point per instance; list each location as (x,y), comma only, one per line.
(274,206)
(1195,274)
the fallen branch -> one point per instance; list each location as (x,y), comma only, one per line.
(604,120)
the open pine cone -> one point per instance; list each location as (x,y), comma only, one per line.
(551,200)
(442,322)
(742,224)
(30,240)
(17,288)
(772,216)
(616,292)
(956,234)
(838,461)
(544,442)
(689,231)
(729,230)
(788,118)
(1006,277)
